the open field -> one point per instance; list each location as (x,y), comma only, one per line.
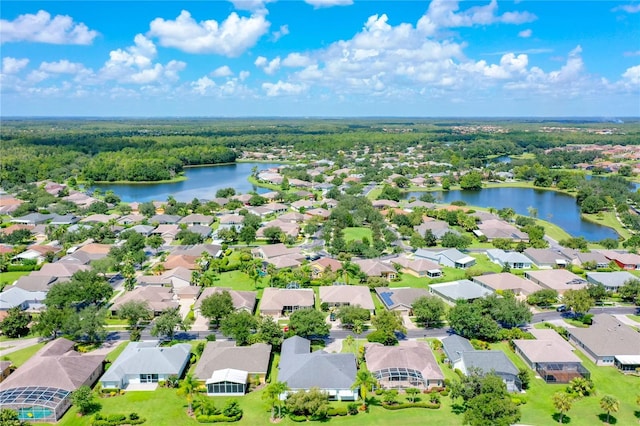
(356,234)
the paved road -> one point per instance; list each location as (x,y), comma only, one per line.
(411,334)
(9,346)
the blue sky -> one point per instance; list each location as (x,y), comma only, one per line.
(320,58)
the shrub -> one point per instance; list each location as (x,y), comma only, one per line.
(379,336)
(352,408)
(337,411)
(211,338)
(114,418)
(411,405)
(134,416)
(297,418)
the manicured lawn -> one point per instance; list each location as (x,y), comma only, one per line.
(8,278)
(608,219)
(351,234)
(116,352)
(374,193)
(20,357)
(634,317)
(237,281)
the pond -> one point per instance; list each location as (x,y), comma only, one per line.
(555,207)
(201,183)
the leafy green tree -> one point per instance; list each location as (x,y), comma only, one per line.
(308,323)
(365,381)
(412,393)
(580,387)
(544,297)
(147,209)
(348,314)
(87,324)
(402,182)
(270,332)
(562,402)
(609,243)
(166,323)
(247,234)
(239,326)
(225,192)
(9,417)
(312,403)
(155,241)
(273,234)
(387,323)
(84,288)
(135,311)
(578,300)
(390,193)
(16,323)
(471,181)
(428,309)
(390,396)
(469,320)
(630,291)
(50,321)
(430,240)
(217,306)
(610,404)
(451,239)
(84,399)
(493,409)
(189,238)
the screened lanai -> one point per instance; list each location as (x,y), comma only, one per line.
(36,403)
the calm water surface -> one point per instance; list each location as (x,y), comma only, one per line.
(554,207)
(201,183)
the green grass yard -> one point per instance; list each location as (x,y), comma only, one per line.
(20,357)
(356,234)
(8,278)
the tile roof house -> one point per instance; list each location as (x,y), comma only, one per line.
(409,365)
(400,299)
(623,259)
(546,258)
(347,295)
(514,259)
(507,281)
(60,269)
(579,258)
(280,301)
(157,298)
(242,300)
(560,280)
(320,266)
(418,267)
(452,257)
(197,219)
(229,221)
(495,228)
(437,227)
(452,291)
(44,382)
(301,369)
(376,268)
(551,356)
(35,282)
(178,277)
(252,361)
(611,281)
(164,219)
(146,363)
(608,342)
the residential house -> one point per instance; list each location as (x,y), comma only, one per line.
(144,230)
(13,296)
(559,280)
(409,365)
(453,347)
(242,300)
(301,369)
(131,219)
(437,227)
(99,218)
(44,383)
(143,364)
(60,269)
(182,261)
(279,255)
(376,268)
(550,356)
(196,219)
(32,219)
(289,229)
(293,217)
(38,253)
(608,342)
(546,258)
(319,212)
(302,205)
(611,281)
(421,268)
(322,265)
(5,369)
(87,253)
(35,282)
(157,298)
(164,219)
(452,257)
(400,299)
(229,221)
(495,228)
(579,258)
(67,219)
(512,259)
(227,369)
(385,204)
(495,362)
(9,204)
(507,281)
(623,259)
(277,302)
(452,291)
(347,295)
(178,277)
(168,232)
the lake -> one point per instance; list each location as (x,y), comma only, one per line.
(557,208)
(201,183)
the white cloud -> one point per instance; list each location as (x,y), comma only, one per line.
(629,8)
(203,85)
(446,14)
(632,75)
(251,5)
(135,64)
(296,60)
(12,65)
(283,31)
(42,28)
(62,67)
(244,75)
(328,3)
(223,71)
(283,88)
(525,33)
(268,67)
(230,38)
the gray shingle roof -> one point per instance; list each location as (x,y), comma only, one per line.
(223,354)
(489,361)
(608,337)
(301,369)
(454,346)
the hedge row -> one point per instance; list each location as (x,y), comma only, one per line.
(218,418)
(117,420)
(429,405)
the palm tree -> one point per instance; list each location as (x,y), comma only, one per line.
(272,396)
(188,387)
(609,404)
(562,402)
(364,381)
(349,341)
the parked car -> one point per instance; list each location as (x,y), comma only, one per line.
(561,308)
